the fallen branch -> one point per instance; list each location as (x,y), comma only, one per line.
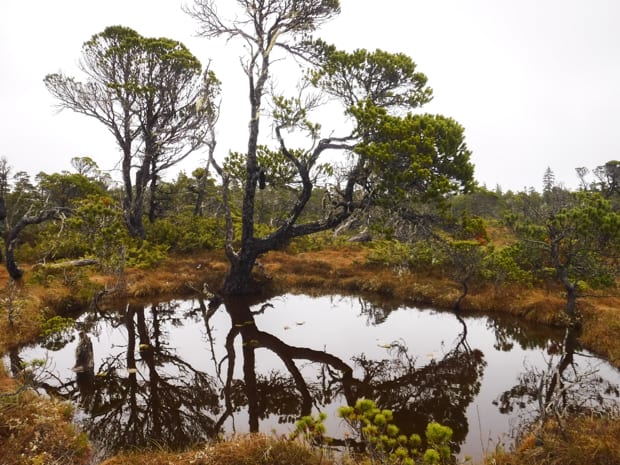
(72,263)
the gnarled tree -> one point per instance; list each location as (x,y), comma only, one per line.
(152,95)
(577,235)
(375,90)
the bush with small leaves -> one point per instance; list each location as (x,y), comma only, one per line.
(385,444)
(57,332)
(311,429)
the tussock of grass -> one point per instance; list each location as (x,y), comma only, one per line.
(581,440)
(37,430)
(28,312)
(251,449)
(601,328)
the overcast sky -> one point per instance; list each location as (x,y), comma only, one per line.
(535,83)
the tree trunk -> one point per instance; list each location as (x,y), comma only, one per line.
(562,275)
(153,193)
(136,207)
(11,265)
(457,304)
(2,221)
(569,347)
(200,195)
(571,293)
(239,280)
(249,377)
(571,300)
(202,182)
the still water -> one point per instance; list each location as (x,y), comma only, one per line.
(176,373)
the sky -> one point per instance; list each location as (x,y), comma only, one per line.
(535,83)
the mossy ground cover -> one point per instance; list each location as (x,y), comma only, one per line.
(344,270)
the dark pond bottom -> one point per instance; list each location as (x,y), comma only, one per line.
(177,373)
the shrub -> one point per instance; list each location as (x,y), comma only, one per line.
(186,233)
(380,437)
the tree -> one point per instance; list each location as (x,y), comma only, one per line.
(463,261)
(578,235)
(548,180)
(374,88)
(62,189)
(84,165)
(151,95)
(608,176)
(55,213)
(21,206)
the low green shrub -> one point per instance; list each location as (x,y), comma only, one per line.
(380,437)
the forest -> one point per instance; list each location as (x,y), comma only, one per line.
(392,187)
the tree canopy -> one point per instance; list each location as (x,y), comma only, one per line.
(152,96)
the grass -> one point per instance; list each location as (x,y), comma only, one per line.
(581,440)
(251,449)
(35,430)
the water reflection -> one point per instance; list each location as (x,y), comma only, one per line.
(509,332)
(418,394)
(177,373)
(142,393)
(259,393)
(564,386)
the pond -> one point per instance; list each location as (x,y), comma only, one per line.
(179,372)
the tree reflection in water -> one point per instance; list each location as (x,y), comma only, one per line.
(508,331)
(145,393)
(288,396)
(565,386)
(439,391)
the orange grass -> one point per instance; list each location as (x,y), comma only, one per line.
(580,440)
(37,430)
(251,449)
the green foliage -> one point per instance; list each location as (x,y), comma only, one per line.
(97,229)
(43,276)
(380,436)
(120,41)
(62,189)
(279,170)
(293,113)
(144,254)
(397,254)
(575,234)
(480,202)
(317,242)
(385,79)
(186,233)
(75,278)
(386,445)
(311,429)
(500,266)
(438,438)
(473,227)
(416,157)
(57,332)
(459,259)
(462,259)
